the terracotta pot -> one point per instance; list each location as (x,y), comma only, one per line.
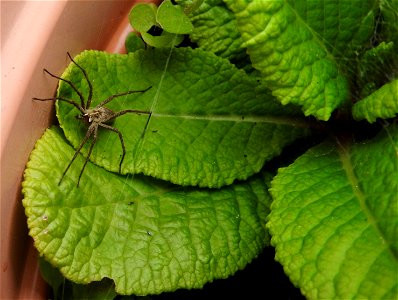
(36,35)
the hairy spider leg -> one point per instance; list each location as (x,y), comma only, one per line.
(109,99)
(90,86)
(62,99)
(120,113)
(71,85)
(121,142)
(95,128)
(146,126)
(90,131)
(126,111)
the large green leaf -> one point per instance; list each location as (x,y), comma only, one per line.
(334,219)
(383,103)
(146,235)
(210,123)
(298,50)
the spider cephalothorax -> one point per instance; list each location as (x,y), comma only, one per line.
(99,116)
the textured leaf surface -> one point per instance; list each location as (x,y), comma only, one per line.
(377,66)
(216,29)
(146,235)
(210,124)
(383,103)
(334,219)
(295,61)
(343,26)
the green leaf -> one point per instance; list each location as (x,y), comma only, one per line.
(383,103)
(389,20)
(210,125)
(191,5)
(143,16)
(216,29)
(52,276)
(343,27)
(173,19)
(334,219)
(376,67)
(164,40)
(65,289)
(134,42)
(100,290)
(147,236)
(294,60)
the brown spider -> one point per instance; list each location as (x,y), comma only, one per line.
(99,116)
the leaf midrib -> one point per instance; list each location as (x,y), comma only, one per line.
(345,158)
(239,118)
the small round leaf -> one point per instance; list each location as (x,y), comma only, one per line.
(173,19)
(143,16)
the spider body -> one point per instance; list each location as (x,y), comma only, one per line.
(99,116)
(96,116)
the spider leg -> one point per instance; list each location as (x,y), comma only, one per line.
(121,142)
(90,86)
(62,99)
(95,128)
(146,126)
(71,85)
(121,94)
(120,113)
(90,131)
(126,111)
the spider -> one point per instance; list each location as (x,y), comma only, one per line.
(99,116)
